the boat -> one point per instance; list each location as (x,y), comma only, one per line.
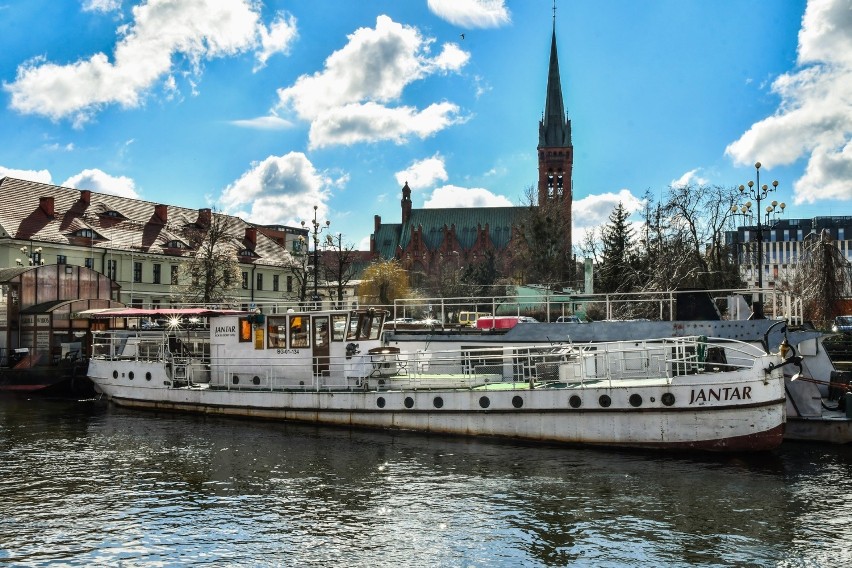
(819,395)
(333,367)
(60,376)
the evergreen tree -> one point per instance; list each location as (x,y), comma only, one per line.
(616,272)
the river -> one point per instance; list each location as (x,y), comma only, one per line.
(84,483)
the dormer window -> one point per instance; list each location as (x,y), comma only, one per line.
(85,234)
(112,213)
(176,244)
(247,253)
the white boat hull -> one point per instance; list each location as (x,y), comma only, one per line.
(693,421)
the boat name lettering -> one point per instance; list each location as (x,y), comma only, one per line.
(224,330)
(720,394)
(287,351)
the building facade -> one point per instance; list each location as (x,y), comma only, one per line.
(781,244)
(427,241)
(140,245)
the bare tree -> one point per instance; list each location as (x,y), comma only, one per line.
(212,272)
(822,277)
(540,253)
(338,263)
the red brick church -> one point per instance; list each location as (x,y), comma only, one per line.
(427,239)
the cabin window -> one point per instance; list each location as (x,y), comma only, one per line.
(277,332)
(321,331)
(338,327)
(244,330)
(300,329)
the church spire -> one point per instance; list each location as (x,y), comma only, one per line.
(554,129)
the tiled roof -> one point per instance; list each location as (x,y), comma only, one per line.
(138,227)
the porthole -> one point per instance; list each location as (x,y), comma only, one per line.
(130,375)
(115,374)
(605,400)
(235,380)
(635,400)
(575,401)
(409,402)
(380,402)
(255,380)
(148,376)
(668,399)
(484,402)
(438,402)
(517,402)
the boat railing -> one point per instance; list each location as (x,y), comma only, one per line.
(611,363)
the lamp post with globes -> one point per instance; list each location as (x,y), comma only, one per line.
(318,228)
(759,193)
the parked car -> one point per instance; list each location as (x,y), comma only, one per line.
(842,324)
(569,319)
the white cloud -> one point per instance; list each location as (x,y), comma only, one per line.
(453,196)
(280,189)
(41,176)
(689,178)
(97,180)
(346,102)
(161,31)
(472,13)
(593,211)
(424,173)
(101,5)
(277,39)
(270,122)
(814,118)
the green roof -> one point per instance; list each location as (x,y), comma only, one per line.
(466,221)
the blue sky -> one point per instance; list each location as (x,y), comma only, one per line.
(265,109)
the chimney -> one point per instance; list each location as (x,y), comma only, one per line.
(86,196)
(251,235)
(162,213)
(46,205)
(377,223)
(204,217)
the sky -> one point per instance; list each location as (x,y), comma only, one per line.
(268,109)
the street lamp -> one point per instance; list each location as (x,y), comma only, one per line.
(317,230)
(758,193)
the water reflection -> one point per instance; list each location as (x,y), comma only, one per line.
(85,483)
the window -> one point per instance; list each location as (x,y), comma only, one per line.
(174,274)
(274,282)
(112,269)
(157,268)
(277,332)
(176,244)
(841,234)
(113,214)
(289,283)
(137,272)
(85,233)
(244,330)
(259,281)
(299,331)
(61,259)
(90,263)
(245,280)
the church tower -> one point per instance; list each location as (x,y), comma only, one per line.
(555,151)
